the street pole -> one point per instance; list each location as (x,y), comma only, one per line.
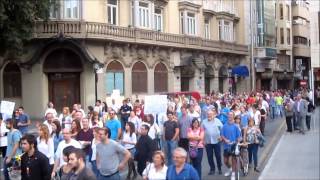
(252,64)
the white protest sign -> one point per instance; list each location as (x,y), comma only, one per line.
(7,107)
(155,104)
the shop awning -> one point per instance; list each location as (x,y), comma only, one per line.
(240,71)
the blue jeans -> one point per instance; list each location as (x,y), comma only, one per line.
(280,110)
(170,146)
(253,153)
(217,152)
(94,168)
(196,162)
(116,176)
(273,112)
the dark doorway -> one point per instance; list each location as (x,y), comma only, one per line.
(63,67)
(64,89)
(185,83)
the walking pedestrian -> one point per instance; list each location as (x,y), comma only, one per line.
(66,170)
(125,110)
(310,109)
(171,134)
(301,110)
(85,137)
(107,157)
(45,144)
(65,118)
(184,124)
(3,137)
(157,170)
(23,121)
(48,122)
(230,134)
(288,106)
(13,149)
(251,135)
(96,140)
(129,141)
(75,128)
(79,169)
(34,164)
(212,130)
(114,125)
(51,109)
(196,138)
(67,141)
(144,148)
(181,169)
(56,134)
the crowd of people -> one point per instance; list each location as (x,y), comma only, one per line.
(104,141)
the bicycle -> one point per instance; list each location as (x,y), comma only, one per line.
(240,151)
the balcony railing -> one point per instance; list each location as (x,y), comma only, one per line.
(220,7)
(90,30)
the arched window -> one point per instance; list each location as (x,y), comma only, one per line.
(139,78)
(160,78)
(114,77)
(12,81)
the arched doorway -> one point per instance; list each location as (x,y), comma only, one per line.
(209,75)
(160,78)
(12,81)
(114,77)
(223,78)
(139,78)
(63,68)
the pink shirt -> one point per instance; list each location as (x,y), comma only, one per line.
(198,132)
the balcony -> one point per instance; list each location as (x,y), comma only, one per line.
(215,7)
(301,30)
(266,53)
(301,50)
(102,31)
(302,11)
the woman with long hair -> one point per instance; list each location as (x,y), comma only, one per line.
(96,140)
(129,141)
(196,138)
(45,144)
(251,135)
(95,120)
(75,128)
(65,118)
(56,135)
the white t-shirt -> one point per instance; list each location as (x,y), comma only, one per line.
(265,105)
(152,174)
(133,139)
(52,111)
(94,149)
(256,118)
(61,146)
(136,121)
(46,149)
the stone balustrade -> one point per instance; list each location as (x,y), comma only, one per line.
(92,30)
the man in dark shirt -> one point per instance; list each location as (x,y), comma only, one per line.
(125,113)
(171,134)
(80,171)
(85,137)
(144,149)
(34,164)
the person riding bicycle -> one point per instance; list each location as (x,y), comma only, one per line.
(230,134)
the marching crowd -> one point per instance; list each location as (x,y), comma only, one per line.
(169,145)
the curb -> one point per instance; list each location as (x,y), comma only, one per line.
(271,145)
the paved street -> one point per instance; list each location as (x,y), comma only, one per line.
(296,156)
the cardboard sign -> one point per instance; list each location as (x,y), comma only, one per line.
(155,104)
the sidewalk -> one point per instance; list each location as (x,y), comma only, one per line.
(296,156)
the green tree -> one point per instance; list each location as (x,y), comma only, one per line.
(17,19)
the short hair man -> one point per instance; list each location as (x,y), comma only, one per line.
(181,169)
(77,162)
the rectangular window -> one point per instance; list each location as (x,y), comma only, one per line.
(300,40)
(114,80)
(288,36)
(158,19)
(281,36)
(221,30)
(288,12)
(281,11)
(182,30)
(191,24)
(71,9)
(54,9)
(206,29)
(144,15)
(112,9)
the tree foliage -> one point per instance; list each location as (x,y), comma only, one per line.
(17,19)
